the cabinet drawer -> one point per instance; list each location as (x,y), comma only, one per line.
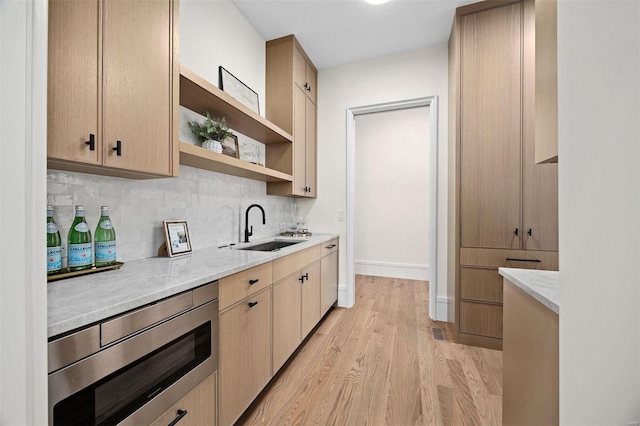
(480,284)
(200,405)
(287,265)
(481,319)
(329,247)
(495,258)
(238,286)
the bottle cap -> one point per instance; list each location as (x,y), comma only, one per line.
(104,208)
(49,207)
(79,207)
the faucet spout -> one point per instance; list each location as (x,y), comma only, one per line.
(248,231)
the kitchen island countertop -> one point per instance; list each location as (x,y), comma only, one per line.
(78,302)
(543,286)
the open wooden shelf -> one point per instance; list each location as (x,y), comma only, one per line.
(199,95)
(195,156)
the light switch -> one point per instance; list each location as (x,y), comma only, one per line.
(341,215)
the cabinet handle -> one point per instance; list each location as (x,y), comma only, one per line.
(301,279)
(252,304)
(180,415)
(306,86)
(516,232)
(118,148)
(330,247)
(91,142)
(524,260)
(306,276)
(252,282)
(529,232)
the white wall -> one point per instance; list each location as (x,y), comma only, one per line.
(404,76)
(599,211)
(23,132)
(392,194)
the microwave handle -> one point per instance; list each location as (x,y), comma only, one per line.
(179,415)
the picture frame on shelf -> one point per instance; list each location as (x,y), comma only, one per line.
(238,90)
(230,146)
(177,239)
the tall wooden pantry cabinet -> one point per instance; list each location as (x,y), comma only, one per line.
(506,206)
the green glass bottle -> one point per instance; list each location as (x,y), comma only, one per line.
(79,246)
(105,237)
(54,245)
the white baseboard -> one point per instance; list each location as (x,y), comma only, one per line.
(392,270)
(342,296)
(442,308)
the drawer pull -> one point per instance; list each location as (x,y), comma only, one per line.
(252,304)
(330,247)
(91,142)
(252,282)
(524,260)
(180,415)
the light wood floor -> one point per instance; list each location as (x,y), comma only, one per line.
(378,364)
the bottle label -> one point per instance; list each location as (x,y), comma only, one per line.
(82,227)
(52,228)
(79,254)
(106,224)
(54,258)
(106,251)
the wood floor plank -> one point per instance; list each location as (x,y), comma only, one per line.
(378,364)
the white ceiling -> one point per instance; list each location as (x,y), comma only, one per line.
(337,32)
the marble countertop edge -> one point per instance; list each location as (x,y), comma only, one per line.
(82,301)
(543,286)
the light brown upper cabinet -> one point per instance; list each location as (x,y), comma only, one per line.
(291,95)
(506,200)
(504,206)
(113,87)
(546,81)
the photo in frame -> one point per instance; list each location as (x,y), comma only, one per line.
(237,89)
(176,236)
(230,146)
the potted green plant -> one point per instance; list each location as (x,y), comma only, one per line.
(211,132)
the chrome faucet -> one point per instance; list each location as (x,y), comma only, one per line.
(249,232)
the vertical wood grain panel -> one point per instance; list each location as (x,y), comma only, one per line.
(491,124)
(329,279)
(300,141)
(137,85)
(481,319)
(286,319)
(311,149)
(531,360)
(540,181)
(310,298)
(73,81)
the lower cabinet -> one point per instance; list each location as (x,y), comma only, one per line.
(245,353)
(328,276)
(310,298)
(197,408)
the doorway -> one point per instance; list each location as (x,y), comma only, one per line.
(387,206)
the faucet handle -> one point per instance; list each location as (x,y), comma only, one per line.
(250,231)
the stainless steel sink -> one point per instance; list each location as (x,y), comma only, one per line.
(270,246)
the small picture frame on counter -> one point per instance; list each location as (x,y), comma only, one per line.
(176,236)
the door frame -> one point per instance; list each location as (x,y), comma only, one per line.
(352,113)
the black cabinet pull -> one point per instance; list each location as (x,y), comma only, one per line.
(301,279)
(91,142)
(331,246)
(306,276)
(529,232)
(252,304)
(524,260)
(180,414)
(118,148)
(516,232)
(252,282)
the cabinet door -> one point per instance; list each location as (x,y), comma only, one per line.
(310,298)
(312,81)
(299,68)
(245,354)
(137,85)
(200,405)
(540,181)
(73,81)
(299,141)
(286,319)
(329,281)
(310,149)
(491,112)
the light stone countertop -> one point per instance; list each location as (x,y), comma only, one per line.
(78,302)
(543,286)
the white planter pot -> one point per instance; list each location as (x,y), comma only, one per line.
(212,145)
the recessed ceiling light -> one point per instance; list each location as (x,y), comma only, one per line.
(376,1)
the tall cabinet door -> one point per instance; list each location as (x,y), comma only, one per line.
(491,117)
(73,81)
(540,181)
(310,298)
(137,72)
(311,150)
(300,137)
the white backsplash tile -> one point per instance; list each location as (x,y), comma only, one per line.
(213,205)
